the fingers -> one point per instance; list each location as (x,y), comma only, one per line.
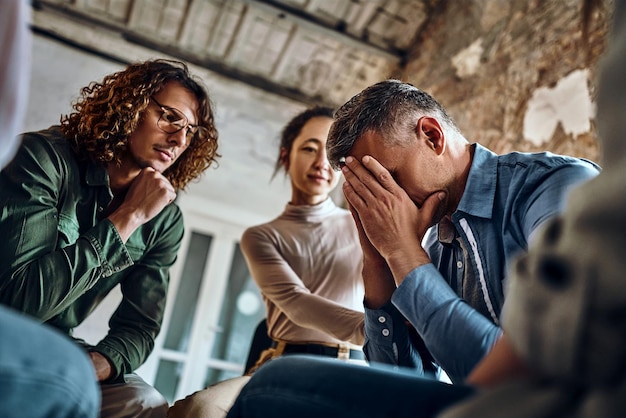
(359,185)
(357,222)
(368,178)
(367,182)
(369,251)
(352,198)
(370,172)
(379,173)
(147,195)
(155,182)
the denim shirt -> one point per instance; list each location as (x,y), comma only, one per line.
(506,198)
(61,256)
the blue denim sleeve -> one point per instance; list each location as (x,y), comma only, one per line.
(456,334)
(549,194)
(387,339)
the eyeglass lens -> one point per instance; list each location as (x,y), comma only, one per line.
(173,120)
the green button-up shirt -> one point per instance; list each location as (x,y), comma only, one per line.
(60,256)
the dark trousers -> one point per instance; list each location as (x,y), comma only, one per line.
(313,387)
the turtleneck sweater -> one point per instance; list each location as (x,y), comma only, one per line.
(307,263)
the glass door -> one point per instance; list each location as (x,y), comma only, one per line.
(212,311)
(178,333)
(242,310)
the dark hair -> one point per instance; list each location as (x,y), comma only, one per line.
(294,127)
(108,112)
(390,108)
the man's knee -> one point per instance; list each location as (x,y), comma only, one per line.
(212,402)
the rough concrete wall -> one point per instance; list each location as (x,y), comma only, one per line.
(514,74)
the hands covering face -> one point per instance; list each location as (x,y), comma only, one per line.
(390,224)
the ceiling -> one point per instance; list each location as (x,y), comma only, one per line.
(312,51)
(262,60)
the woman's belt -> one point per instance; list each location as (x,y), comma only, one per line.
(278,348)
(340,351)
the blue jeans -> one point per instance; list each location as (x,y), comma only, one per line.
(42,372)
(314,387)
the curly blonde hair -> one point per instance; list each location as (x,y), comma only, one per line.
(109,111)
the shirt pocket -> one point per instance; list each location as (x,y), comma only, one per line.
(38,233)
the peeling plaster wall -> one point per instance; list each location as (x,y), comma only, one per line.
(515,75)
(568,104)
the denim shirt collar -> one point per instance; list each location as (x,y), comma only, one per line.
(480,190)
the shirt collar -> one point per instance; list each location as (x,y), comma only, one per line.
(96,175)
(310,213)
(480,190)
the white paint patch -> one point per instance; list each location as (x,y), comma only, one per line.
(467,61)
(568,102)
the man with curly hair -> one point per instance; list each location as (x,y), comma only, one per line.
(87,205)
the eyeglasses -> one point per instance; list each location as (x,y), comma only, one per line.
(173,120)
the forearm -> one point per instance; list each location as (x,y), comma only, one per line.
(125,222)
(124,353)
(137,321)
(378,283)
(126,349)
(405,260)
(288,293)
(457,336)
(331,318)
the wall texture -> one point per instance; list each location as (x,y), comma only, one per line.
(514,74)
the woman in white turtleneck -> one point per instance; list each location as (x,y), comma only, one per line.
(307,262)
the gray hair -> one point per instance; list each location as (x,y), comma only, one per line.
(390,108)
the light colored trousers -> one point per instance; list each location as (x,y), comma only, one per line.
(212,402)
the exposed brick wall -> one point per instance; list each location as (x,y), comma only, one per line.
(519,46)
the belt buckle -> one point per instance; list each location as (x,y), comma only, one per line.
(343,352)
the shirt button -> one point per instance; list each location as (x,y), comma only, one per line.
(385,332)
(459,264)
(100,208)
(382,319)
